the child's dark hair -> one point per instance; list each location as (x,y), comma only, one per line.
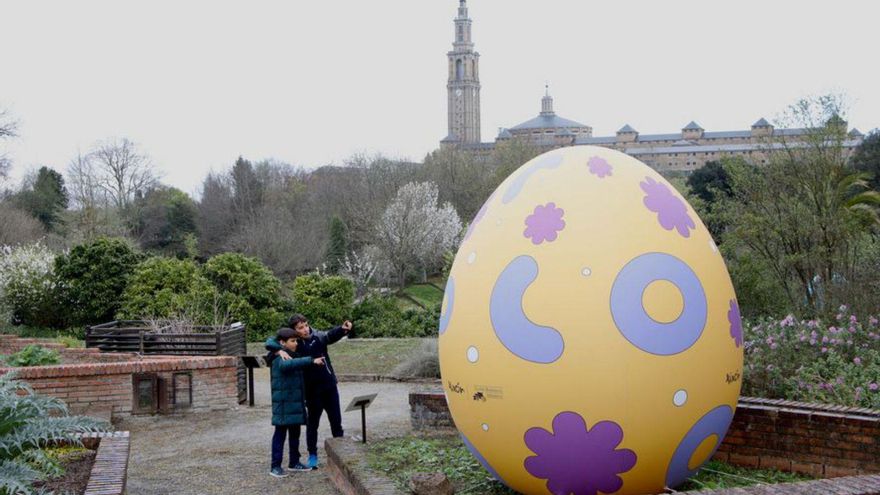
(296,319)
(285,334)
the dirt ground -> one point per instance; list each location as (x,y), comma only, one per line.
(228,452)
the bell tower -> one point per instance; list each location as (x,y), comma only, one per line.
(463,87)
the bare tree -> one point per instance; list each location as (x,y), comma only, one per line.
(122,171)
(8,129)
(18,227)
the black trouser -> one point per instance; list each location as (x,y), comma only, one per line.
(278,444)
(318,400)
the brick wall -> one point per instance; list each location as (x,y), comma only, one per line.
(814,439)
(428,410)
(101,383)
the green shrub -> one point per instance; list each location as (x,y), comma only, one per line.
(380,316)
(169,288)
(33,355)
(249,291)
(93,276)
(325,301)
(28,286)
(834,362)
(30,423)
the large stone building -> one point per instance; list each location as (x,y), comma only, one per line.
(680,151)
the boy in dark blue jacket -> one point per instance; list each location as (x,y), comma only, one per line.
(288,399)
(321,391)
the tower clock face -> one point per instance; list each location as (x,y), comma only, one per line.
(457,92)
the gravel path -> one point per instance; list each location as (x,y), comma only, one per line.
(228,452)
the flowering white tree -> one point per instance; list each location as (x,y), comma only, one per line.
(415,230)
(27,281)
(361,266)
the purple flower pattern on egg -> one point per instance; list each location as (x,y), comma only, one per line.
(736,330)
(599,167)
(670,209)
(544,224)
(574,459)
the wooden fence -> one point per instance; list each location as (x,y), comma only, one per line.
(143,338)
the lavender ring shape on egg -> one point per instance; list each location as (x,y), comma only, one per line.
(545,162)
(633,321)
(513,328)
(715,422)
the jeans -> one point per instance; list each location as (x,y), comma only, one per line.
(317,401)
(278,444)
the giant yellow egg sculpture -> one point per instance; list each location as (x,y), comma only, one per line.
(590,338)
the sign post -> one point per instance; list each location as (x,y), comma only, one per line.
(250,362)
(362,402)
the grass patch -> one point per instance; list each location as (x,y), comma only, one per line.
(427,295)
(363,355)
(717,474)
(404,457)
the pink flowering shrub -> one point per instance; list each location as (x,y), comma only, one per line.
(836,362)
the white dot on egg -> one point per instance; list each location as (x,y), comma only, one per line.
(680,398)
(471,258)
(473,354)
(499,222)
(485,427)
(586,272)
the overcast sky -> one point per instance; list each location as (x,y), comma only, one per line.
(197,83)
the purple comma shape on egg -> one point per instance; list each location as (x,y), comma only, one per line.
(447,308)
(546,162)
(670,209)
(513,328)
(575,459)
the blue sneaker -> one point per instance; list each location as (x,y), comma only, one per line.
(278,472)
(313,461)
(300,467)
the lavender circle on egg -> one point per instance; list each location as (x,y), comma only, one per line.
(636,324)
(715,422)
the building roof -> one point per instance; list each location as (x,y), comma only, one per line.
(627,129)
(693,126)
(762,122)
(547,121)
(504,134)
(450,139)
(855,133)
(706,148)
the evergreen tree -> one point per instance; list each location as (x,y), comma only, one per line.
(45,198)
(337,248)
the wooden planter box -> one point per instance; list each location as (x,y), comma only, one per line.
(140,337)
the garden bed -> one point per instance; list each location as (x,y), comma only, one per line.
(99,467)
(404,457)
